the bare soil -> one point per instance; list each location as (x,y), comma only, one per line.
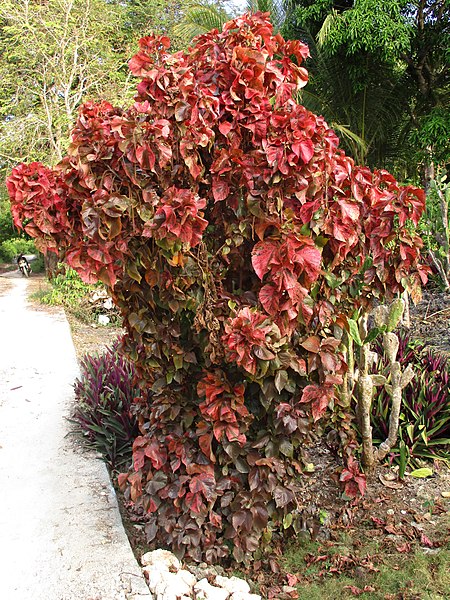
(430,320)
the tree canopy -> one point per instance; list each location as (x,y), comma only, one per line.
(382,68)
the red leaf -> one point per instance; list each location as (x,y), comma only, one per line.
(204,484)
(194,502)
(304,149)
(350,210)
(122,479)
(220,188)
(270,299)
(262,255)
(425,541)
(225,127)
(356,591)
(204,441)
(319,396)
(157,455)
(312,344)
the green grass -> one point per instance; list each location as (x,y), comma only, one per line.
(415,576)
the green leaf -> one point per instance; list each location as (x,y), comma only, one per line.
(354,331)
(404,459)
(287,520)
(281,379)
(422,473)
(373,334)
(263,353)
(287,448)
(332,280)
(178,361)
(132,271)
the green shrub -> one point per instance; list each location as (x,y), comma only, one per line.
(67,289)
(424,431)
(105,393)
(38,265)
(7,229)
(70,291)
(10,249)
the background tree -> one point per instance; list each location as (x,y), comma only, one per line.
(387,76)
(203,15)
(140,17)
(54,54)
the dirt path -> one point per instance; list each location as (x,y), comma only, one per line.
(61,536)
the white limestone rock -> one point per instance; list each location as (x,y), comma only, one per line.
(245,596)
(172,588)
(203,590)
(154,575)
(160,558)
(232,584)
(187,578)
(166,585)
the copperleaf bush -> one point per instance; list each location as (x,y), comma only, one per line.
(236,238)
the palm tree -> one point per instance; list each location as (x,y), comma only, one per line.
(202,16)
(368,116)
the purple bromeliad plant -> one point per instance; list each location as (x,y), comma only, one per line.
(424,432)
(105,394)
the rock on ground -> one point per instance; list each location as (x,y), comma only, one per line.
(168,581)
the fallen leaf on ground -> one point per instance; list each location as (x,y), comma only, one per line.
(425,541)
(421,473)
(390,475)
(356,591)
(291,579)
(393,485)
(406,547)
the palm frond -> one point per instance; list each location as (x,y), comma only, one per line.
(350,135)
(329,25)
(276,9)
(199,18)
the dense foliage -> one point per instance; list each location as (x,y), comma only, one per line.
(380,67)
(104,395)
(424,431)
(236,238)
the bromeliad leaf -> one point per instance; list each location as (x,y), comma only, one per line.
(353,330)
